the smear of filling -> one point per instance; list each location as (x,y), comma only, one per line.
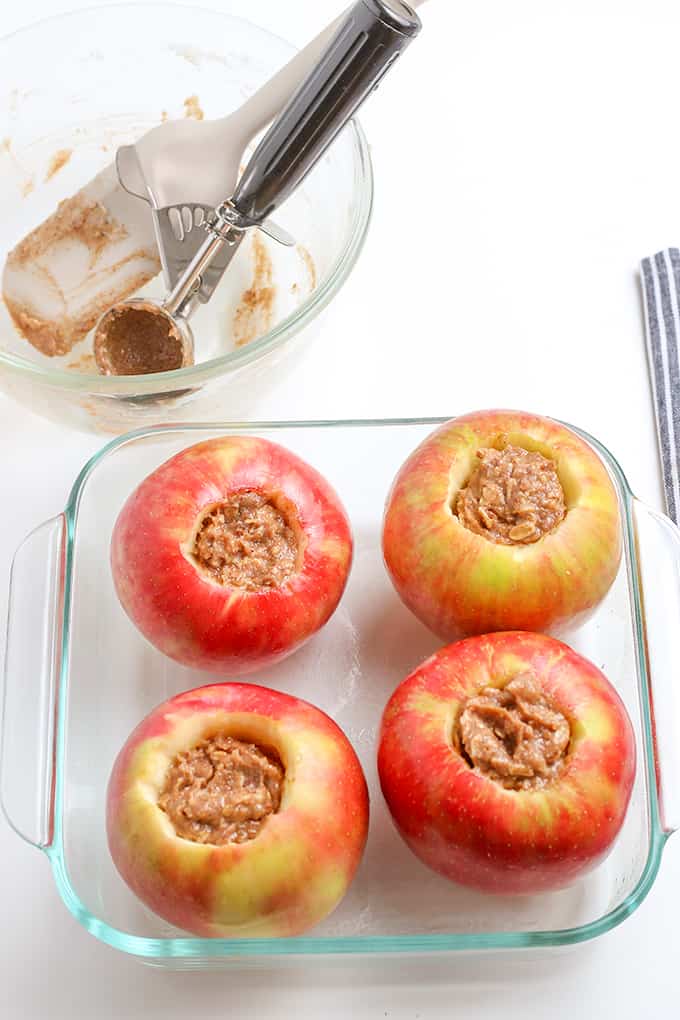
(82,231)
(57,162)
(255,311)
(85,363)
(515,735)
(309,266)
(192,108)
(513,497)
(75,219)
(28,183)
(222,790)
(246,542)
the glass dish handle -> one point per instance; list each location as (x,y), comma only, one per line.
(658,543)
(32,656)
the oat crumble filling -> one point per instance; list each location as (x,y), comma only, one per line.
(513,497)
(222,790)
(246,542)
(137,339)
(514,735)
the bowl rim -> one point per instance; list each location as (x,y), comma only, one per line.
(286,329)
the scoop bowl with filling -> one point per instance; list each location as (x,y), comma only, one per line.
(502,520)
(231,554)
(507,762)
(237,811)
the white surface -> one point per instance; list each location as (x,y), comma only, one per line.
(531,141)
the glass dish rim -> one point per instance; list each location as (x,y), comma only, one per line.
(191,947)
(364,185)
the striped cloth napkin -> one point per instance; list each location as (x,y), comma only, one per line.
(661,290)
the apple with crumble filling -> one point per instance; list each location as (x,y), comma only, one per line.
(507,762)
(236,811)
(231,554)
(502,520)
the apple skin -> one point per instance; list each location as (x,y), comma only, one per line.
(459,583)
(298,867)
(197,621)
(466,826)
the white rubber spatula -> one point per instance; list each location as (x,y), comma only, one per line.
(166,155)
(99,246)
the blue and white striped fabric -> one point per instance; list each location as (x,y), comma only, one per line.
(661,293)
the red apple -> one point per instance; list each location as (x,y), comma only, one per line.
(491,807)
(231,554)
(294,868)
(460,581)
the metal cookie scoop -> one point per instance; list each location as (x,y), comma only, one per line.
(137,336)
(140,336)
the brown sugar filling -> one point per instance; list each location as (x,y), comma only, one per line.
(513,497)
(136,340)
(222,790)
(514,735)
(246,542)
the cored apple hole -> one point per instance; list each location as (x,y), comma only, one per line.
(222,790)
(247,540)
(514,735)
(513,496)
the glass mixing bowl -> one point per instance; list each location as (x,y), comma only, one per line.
(85,83)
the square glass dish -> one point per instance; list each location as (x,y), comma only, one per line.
(79,677)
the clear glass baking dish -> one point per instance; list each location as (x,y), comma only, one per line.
(79,677)
(96,79)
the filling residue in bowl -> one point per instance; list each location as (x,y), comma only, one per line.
(98,248)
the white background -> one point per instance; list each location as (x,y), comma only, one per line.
(527,156)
